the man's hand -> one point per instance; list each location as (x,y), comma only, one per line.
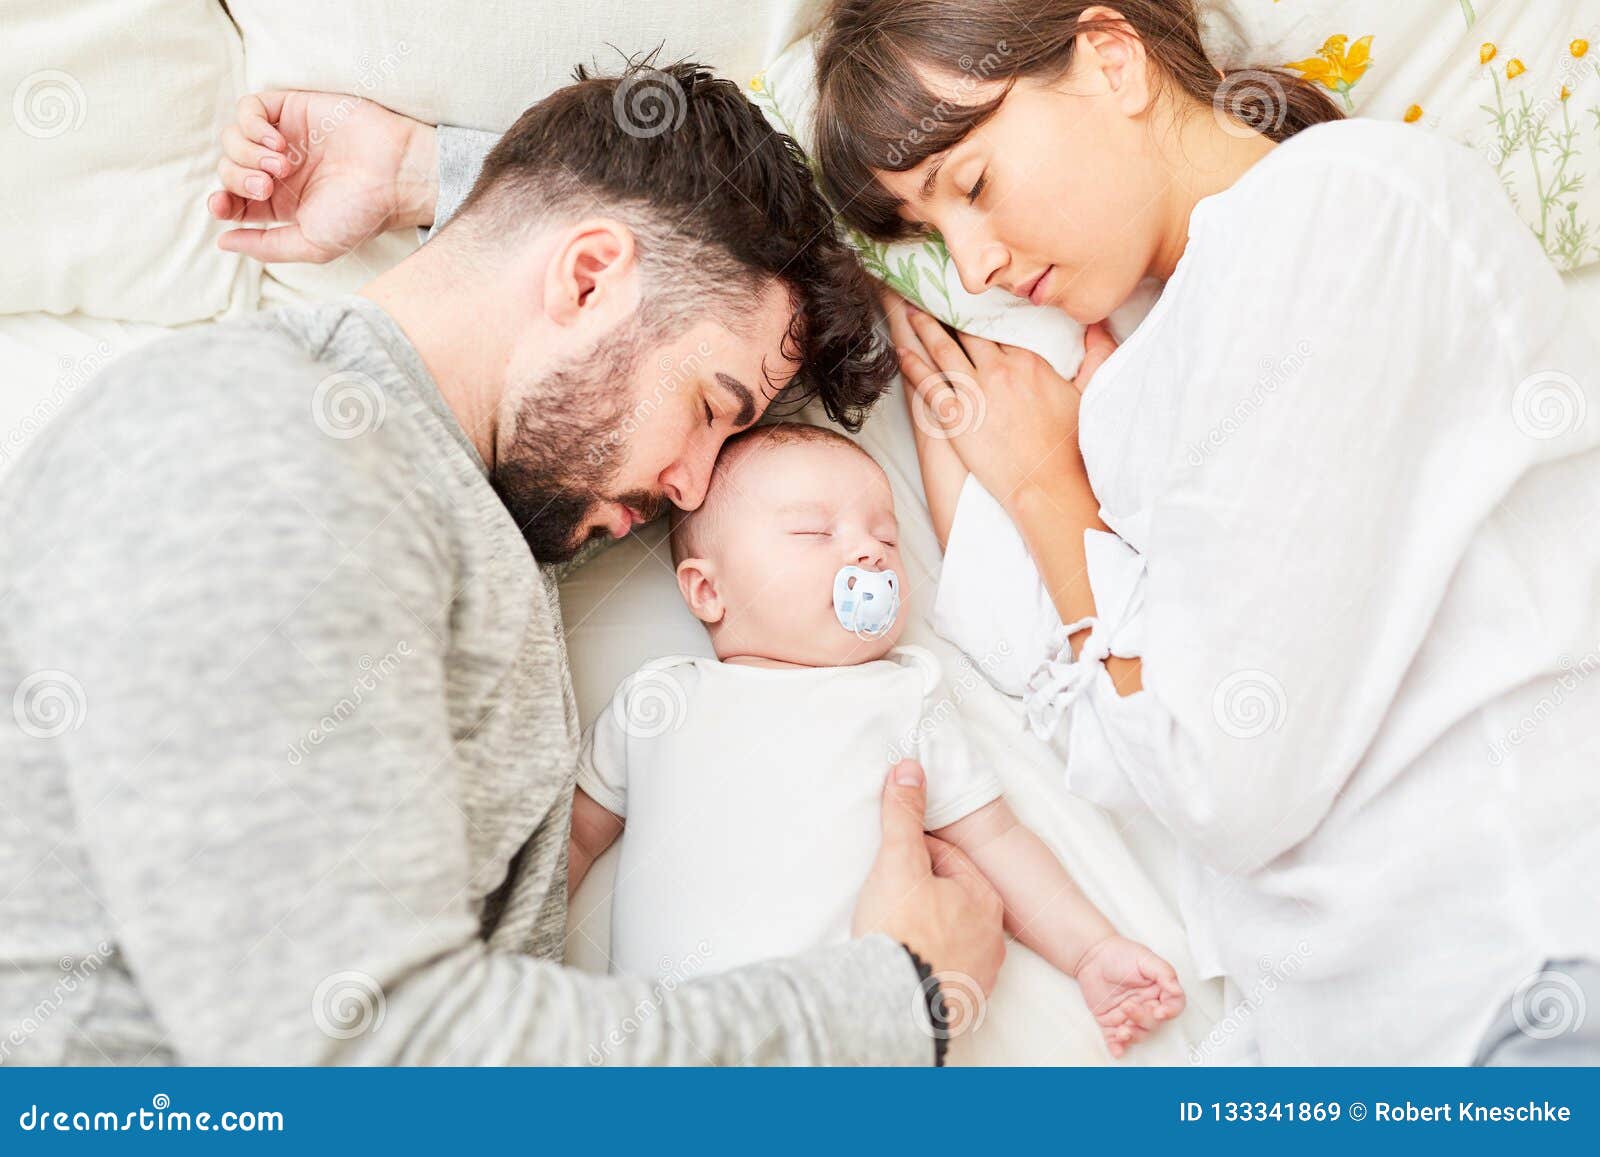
(928,895)
(331,170)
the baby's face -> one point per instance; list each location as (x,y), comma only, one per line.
(788,516)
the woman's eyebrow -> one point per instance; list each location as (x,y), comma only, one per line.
(741,395)
(932,178)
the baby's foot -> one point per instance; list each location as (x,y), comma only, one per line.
(1129,989)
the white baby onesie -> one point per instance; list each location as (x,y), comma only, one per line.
(753,799)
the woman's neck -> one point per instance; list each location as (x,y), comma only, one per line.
(1202,160)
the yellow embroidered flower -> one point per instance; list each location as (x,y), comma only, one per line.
(1515,68)
(1566,93)
(1487,53)
(758,82)
(1580,48)
(1413,114)
(1338,65)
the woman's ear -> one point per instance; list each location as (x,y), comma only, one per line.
(697,584)
(1119,54)
(593,273)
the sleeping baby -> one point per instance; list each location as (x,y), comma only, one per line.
(751,783)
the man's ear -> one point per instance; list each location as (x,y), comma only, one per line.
(698,585)
(1119,55)
(593,274)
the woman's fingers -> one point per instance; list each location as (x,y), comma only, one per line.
(1098,345)
(900,332)
(946,352)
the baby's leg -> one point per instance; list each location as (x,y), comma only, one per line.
(943,472)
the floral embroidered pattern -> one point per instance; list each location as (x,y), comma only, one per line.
(1338,65)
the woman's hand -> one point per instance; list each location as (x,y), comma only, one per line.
(1012,418)
(331,170)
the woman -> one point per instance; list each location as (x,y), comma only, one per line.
(1349,440)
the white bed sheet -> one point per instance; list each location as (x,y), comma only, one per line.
(623,608)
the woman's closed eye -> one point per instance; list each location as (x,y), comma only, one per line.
(978,187)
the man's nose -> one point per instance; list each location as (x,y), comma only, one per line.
(686,481)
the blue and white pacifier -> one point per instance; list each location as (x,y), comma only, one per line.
(866,601)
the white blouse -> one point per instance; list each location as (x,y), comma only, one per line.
(1357,442)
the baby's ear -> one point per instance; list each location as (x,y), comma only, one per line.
(699,589)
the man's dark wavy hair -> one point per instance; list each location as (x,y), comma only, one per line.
(720,202)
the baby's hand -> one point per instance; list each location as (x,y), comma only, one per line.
(1129,989)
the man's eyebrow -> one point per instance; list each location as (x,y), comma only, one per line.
(741,394)
(932,178)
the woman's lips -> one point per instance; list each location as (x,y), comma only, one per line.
(1034,290)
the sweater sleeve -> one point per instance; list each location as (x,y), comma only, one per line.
(267,781)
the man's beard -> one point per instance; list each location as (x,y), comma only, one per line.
(567,450)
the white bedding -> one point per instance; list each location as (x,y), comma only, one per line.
(624,608)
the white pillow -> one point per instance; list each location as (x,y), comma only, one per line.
(110,112)
(476,65)
(1490,73)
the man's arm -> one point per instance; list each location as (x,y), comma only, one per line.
(325,191)
(275,831)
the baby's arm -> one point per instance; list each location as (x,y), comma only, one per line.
(1129,988)
(594,829)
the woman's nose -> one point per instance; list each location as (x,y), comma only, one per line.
(978,259)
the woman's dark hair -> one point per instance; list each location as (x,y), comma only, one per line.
(876,114)
(720,203)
